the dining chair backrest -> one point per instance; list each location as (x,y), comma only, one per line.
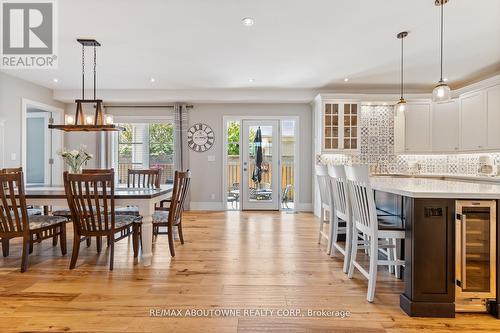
(13,211)
(322,177)
(12,170)
(362,200)
(146,178)
(91,199)
(339,192)
(182,181)
(94,171)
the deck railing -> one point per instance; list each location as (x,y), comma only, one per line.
(287,172)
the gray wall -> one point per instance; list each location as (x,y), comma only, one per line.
(12,90)
(207,176)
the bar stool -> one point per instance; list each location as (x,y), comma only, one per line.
(326,205)
(365,221)
(341,213)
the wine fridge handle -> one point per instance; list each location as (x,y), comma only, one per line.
(464,251)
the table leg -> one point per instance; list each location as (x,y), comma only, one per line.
(146,209)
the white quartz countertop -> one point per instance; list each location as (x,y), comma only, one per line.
(436,188)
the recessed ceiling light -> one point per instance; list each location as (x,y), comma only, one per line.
(55,80)
(248,21)
(251,80)
(445,79)
(152,80)
(346,79)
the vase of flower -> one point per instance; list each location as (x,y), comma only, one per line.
(76,158)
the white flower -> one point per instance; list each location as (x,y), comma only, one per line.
(74,152)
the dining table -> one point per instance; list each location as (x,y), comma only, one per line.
(144,198)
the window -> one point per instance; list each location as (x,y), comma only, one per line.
(144,146)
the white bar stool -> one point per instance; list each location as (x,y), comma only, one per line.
(341,213)
(365,221)
(326,205)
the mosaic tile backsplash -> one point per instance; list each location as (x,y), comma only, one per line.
(377,150)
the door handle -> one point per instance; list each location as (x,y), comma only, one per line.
(464,250)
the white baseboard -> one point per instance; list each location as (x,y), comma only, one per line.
(206,206)
(219,206)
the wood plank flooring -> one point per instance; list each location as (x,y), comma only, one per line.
(230,260)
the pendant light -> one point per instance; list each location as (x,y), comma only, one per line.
(82,122)
(401,105)
(441,92)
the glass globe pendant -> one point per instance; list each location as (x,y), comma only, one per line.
(401,105)
(441,92)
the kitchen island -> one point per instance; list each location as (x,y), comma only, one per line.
(427,209)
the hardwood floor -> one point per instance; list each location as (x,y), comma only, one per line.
(230,260)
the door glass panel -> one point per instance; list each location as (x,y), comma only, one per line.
(260,142)
(477,249)
(287,164)
(233,165)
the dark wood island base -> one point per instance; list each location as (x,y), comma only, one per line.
(429,253)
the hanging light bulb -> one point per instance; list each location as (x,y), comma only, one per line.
(401,105)
(441,92)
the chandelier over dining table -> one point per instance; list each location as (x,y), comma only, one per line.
(88,122)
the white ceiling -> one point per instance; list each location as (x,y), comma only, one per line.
(201,44)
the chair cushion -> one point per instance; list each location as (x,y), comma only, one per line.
(62,212)
(160,216)
(42,221)
(390,223)
(128,210)
(124,220)
(34,211)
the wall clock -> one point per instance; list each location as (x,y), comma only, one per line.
(201,138)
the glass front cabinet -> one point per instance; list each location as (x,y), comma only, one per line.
(340,122)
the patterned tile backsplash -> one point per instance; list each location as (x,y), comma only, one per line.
(377,150)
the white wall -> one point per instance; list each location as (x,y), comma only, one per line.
(207,176)
(12,91)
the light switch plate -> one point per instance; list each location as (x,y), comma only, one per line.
(211,158)
(13,157)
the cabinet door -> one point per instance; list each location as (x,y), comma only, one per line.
(473,122)
(350,128)
(493,107)
(417,128)
(445,127)
(331,126)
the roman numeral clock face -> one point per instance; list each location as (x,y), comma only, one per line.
(201,138)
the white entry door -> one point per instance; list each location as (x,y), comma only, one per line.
(260,167)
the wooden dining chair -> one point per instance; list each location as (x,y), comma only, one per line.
(366,222)
(172,216)
(143,178)
(341,217)
(66,212)
(91,199)
(326,205)
(15,221)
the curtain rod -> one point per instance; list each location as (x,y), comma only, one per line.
(145,106)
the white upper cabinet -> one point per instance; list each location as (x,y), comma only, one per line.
(417,128)
(445,126)
(340,126)
(473,121)
(493,107)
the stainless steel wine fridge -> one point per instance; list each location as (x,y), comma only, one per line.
(475,259)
